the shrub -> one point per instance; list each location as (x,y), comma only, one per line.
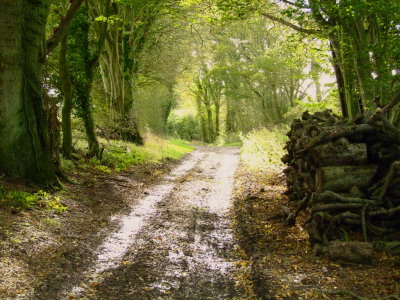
(186,128)
(264,147)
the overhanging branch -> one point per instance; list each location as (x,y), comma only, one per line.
(62,28)
(295,4)
(291,25)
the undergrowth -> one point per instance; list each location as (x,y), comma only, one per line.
(120,156)
(263,148)
(26,200)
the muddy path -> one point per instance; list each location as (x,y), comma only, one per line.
(175,242)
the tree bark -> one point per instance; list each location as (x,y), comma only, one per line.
(355,252)
(24,150)
(339,153)
(339,82)
(343,178)
(67,107)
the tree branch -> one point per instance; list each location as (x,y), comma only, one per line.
(295,4)
(393,103)
(291,25)
(62,28)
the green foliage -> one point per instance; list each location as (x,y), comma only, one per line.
(263,148)
(40,199)
(103,169)
(231,139)
(121,159)
(21,199)
(186,128)
(54,204)
(313,106)
(120,156)
(160,148)
(67,164)
(155,104)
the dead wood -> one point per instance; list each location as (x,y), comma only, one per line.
(346,174)
(355,252)
(343,178)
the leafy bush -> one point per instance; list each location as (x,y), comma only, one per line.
(264,147)
(185,128)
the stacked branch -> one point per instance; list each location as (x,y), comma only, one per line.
(346,174)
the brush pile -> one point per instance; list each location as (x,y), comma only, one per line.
(346,174)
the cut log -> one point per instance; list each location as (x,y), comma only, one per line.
(392,248)
(328,161)
(340,153)
(354,252)
(341,179)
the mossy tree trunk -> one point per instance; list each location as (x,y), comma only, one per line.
(24,142)
(68,104)
(86,51)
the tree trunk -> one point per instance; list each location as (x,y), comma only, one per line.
(24,151)
(217,109)
(67,107)
(210,127)
(88,122)
(346,63)
(339,82)
(230,120)
(90,59)
(202,120)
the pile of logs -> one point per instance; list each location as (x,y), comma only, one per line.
(346,174)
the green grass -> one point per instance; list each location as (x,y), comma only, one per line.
(234,144)
(120,156)
(171,148)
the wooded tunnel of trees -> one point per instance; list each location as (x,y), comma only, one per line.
(80,72)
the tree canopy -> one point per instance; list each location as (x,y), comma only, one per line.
(197,69)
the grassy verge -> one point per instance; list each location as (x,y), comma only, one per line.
(120,156)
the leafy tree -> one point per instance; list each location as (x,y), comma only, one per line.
(363,36)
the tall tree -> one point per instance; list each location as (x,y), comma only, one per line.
(83,50)
(24,142)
